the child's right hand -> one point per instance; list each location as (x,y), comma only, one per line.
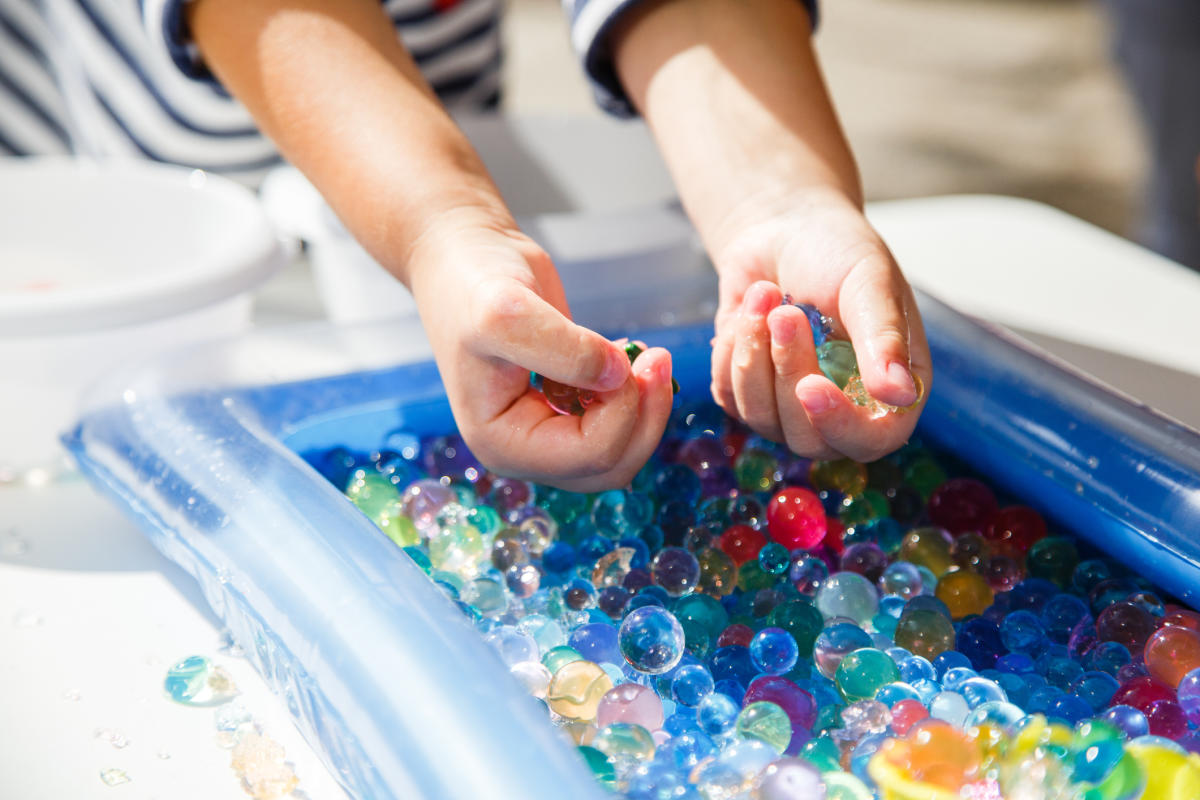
(494,310)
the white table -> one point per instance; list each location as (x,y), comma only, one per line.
(91,616)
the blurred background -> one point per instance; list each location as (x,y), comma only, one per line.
(1016,97)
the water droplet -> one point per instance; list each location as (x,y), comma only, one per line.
(163,755)
(113,737)
(1093,462)
(114,777)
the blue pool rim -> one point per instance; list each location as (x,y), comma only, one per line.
(335,617)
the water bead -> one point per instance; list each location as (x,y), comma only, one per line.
(512,645)
(929,548)
(691,684)
(1126,624)
(756,470)
(630,703)
(837,361)
(964,593)
(187,680)
(651,640)
(925,633)
(765,722)
(862,672)
(790,779)
(850,595)
(774,558)
(799,705)
(864,558)
(1171,653)
(718,573)
(949,707)
(774,651)
(1096,689)
(962,504)
(533,676)
(807,573)
(576,690)
(900,578)
(836,642)
(675,570)
(796,518)
(742,543)
(1022,631)
(1053,559)
(1188,695)
(716,714)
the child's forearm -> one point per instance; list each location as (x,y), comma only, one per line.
(733,93)
(330,83)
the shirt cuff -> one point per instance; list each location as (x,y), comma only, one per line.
(591,22)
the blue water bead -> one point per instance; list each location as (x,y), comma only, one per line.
(885,629)
(1188,696)
(862,753)
(733,662)
(949,706)
(900,578)
(1000,713)
(1096,689)
(892,693)
(1022,631)
(1113,590)
(915,668)
(187,679)
(926,690)
(651,639)
(978,691)
(953,677)
(834,642)
(688,749)
(619,512)
(675,518)
(1041,699)
(1014,686)
(592,549)
(731,687)
(657,779)
(1094,762)
(1070,709)
(831,500)
(819,323)
(892,605)
(1061,614)
(1032,594)
(1129,720)
(1015,663)
(641,553)
(897,654)
(774,558)
(641,600)
(889,535)
(1107,657)
(684,719)
(948,660)
(716,714)
(1062,672)
(596,641)
(514,645)
(1089,573)
(692,684)
(774,651)
(677,482)
(927,602)
(559,557)
(979,640)
(653,536)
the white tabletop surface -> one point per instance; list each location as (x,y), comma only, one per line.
(91,616)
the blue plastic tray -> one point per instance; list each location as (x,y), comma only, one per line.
(381,672)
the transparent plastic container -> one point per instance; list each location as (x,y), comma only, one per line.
(381,672)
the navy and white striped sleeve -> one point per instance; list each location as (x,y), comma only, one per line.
(591,22)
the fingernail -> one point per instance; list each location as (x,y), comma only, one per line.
(783,330)
(899,375)
(817,402)
(757,300)
(616,367)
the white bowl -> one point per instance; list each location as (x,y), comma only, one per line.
(102,263)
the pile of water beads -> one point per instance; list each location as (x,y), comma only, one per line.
(741,622)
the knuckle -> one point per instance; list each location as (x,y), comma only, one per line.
(499,306)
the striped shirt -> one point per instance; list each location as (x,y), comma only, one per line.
(121,78)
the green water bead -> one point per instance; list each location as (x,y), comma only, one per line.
(564,506)
(1126,780)
(370,491)
(862,672)
(558,657)
(756,470)
(1053,558)
(924,474)
(187,679)
(836,359)
(625,744)
(774,558)
(485,519)
(602,769)
(801,619)
(487,595)
(822,752)
(844,786)
(829,718)
(871,504)
(702,610)
(457,548)
(766,722)
(400,529)
(752,577)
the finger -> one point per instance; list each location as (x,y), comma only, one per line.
(848,428)
(531,441)
(794,357)
(652,372)
(515,325)
(752,372)
(722,360)
(873,310)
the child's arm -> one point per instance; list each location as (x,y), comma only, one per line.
(331,84)
(733,93)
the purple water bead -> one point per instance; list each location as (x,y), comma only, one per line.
(675,570)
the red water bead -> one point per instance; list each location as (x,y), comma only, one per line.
(835,534)
(1140,692)
(1013,530)
(799,705)
(566,399)
(1127,624)
(1167,719)
(905,714)
(742,543)
(796,518)
(735,439)
(736,634)
(962,504)
(1171,653)
(1181,618)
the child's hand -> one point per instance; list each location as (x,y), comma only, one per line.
(821,252)
(494,310)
